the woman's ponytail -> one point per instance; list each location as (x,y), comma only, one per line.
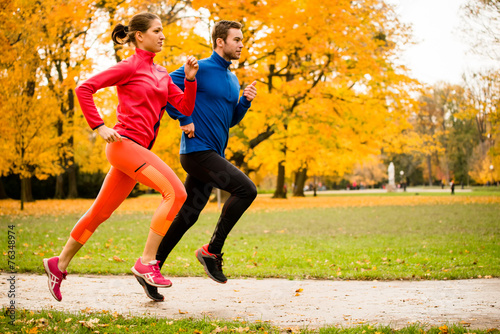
(120,34)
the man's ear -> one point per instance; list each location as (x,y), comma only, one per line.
(219,42)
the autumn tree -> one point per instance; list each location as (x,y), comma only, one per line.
(482,26)
(64,25)
(482,19)
(29,109)
(483,98)
(303,53)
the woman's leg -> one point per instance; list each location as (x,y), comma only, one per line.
(148,169)
(114,190)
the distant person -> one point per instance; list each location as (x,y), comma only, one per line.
(452,186)
(144,89)
(203,143)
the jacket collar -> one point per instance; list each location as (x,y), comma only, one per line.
(219,60)
(145,55)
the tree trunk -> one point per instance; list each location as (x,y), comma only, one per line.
(300,182)
(26,194)
(71,170)
(280,191)
(59,194)
(72,189)
(429,168)
(3,194)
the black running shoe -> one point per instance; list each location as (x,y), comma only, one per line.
(151,291)
(212,264)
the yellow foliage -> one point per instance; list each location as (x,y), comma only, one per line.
(328,94)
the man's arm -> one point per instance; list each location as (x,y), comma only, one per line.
(249,93)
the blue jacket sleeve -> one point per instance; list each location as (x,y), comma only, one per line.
(240,110)
(178,79)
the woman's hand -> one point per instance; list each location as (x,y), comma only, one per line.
(190,68)
(188,130)
(108,134)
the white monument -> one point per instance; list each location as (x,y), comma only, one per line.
(392,184)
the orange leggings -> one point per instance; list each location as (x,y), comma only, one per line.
(130,163)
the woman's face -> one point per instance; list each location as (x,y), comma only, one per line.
(151,40)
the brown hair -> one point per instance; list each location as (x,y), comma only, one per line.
(126,34)
(221,30)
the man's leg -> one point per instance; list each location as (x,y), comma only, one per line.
(198,194)
(220,173)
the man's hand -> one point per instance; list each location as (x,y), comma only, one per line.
(250,91)
(188,129)
(190,68)
(108,134)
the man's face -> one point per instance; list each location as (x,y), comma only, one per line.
(231,48)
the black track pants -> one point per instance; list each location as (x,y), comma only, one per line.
(207,170)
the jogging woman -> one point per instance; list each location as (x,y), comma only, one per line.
(144,89)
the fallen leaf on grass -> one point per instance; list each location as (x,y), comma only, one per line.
(42,322)
(117,259)
(219,330)
(89,324)
(443,329)
(183,312)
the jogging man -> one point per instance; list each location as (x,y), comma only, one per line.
(205,135)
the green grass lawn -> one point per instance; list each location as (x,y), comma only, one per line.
(380,242)
(439,241)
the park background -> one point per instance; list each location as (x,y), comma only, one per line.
(335,106)
(335,103)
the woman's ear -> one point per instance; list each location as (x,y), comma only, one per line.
(138,36)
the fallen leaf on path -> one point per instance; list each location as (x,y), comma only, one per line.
(465,323)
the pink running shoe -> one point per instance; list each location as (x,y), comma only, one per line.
(55,276)
(151,274)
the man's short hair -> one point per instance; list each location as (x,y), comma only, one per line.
(221,30)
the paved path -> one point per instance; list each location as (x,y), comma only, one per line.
(284,303)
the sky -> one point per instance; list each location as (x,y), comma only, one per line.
(441,52)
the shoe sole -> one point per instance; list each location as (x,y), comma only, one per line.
(199,256)
(47,271)
(138,274)
(144,286)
